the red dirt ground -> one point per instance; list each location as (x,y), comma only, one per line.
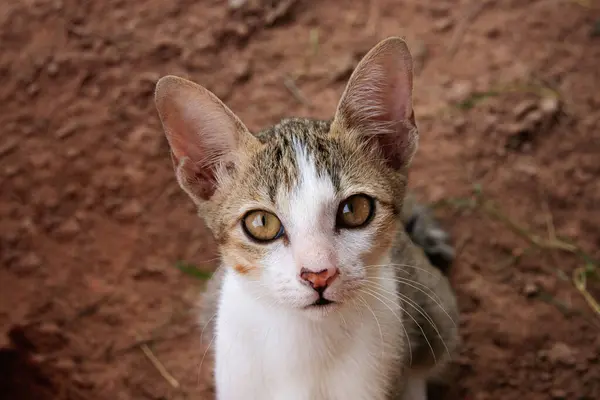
(93,223)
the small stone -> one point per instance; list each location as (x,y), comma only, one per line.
(460,91)
(11,170)
(558,394)
(524,107)
(530,289)
(549,105)
(534,118)
(33,89)
(439,9)
(72,153)
(30,262)
(67,130)
(561,353)
(242,71)
(82,382)
(8,146)
(443,25)
(48,328)
(65,364)
(459,123)
(236,4)
(514,128)
(68,229)
(130,210)
(52,68)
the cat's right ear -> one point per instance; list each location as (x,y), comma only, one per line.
(203,134)
(377,102)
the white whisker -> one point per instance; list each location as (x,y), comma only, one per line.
(376,321)
(415,321)
(399,320)
(421,311)
(410,283)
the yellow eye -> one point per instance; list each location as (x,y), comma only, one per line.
(262,226)
(356,211)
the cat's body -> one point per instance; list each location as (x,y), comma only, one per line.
(321,293)
(371,367)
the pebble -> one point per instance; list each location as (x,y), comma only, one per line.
(48,328)
(8,146)
(549,105)
(30,262)
(443,25)
(52,68)
(68,229)
(235,4)
(130,210)
(65,364)
(523,108)
(67,130)
(530,289)
(534,118)
(459,122)
(561,353)
(460,91)
(242,70)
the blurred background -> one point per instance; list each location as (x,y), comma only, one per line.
(103,257)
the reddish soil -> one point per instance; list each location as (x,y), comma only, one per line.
(93,223)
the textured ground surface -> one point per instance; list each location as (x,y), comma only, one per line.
(92,223)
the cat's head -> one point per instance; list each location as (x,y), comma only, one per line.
(305,211)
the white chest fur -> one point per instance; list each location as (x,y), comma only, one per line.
(265,352)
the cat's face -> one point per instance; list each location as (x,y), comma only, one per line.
(308,199)
(306,211)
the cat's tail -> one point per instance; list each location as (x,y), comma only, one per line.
(425,231)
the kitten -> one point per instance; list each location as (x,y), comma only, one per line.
(321,294)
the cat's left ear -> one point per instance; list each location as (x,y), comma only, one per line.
(377,102)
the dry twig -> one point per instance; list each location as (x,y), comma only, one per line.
(580,282)
(159,366)
(295,91)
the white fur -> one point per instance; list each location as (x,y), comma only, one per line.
(268,346)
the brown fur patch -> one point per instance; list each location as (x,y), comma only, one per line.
(244,269)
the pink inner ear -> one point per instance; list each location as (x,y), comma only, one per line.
(201,130)
(378,101)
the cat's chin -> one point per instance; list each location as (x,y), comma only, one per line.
(320,310)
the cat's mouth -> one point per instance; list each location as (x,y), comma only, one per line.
(321,302)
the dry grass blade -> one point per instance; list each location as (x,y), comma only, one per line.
(524,233)
(159,366)
(579,278)
(580,282)
(291,86)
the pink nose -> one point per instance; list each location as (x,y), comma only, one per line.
(319,280)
